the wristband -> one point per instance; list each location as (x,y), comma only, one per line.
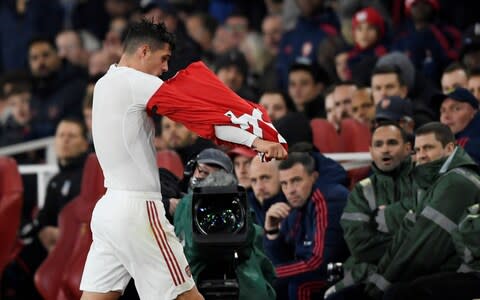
(272,231)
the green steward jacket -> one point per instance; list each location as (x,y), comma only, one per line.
(466,238)
(255,273)
(367,230)
(423,245)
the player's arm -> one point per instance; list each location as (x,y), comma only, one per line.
(237,135)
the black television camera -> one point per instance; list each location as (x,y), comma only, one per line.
(220,229)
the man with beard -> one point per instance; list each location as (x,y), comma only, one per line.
(377,205)
(58,87)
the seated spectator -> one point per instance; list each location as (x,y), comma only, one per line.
(186,143)
(305,85)
(474,83)
(387,81)
(455,75)
(425,41)
(330,109)
(377,205)
(58,87)
(253,270)
(459,111)
(241,158)
(232,69)
(363,108)
(368,30)
(294,128)
(70,47)
(17,127)
(397,110)
(304,235)
(342,95)
(265,188)
(71,147)
(276,104)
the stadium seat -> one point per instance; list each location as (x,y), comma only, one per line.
(11,200)
(59,275)
(171,161)
(355,136)
(325,137)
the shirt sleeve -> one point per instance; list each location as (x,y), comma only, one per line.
(234,135)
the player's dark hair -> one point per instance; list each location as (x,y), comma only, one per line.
(146,32)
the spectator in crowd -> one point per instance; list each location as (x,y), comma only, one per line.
(397,110)
(253,270)
(455,75)
(459,111)
(99,62)
(387,81)
(368,29)
(363,108)
(304,235)
(20,22)
(330,109)
(377,205)
(425,41)
(342,95)
(241,158)
(186,49)
(237,26)
(222,41)
(474,83)
(71,147)
(272,30)
(16,128)
(470,50)
(423,245)
(70,47)
(276,104)
(341,64)
(315,23)
(305,85)
(232,69)
(295,128)
(265,188)
(58,87)
(186,143)
(201,28)
(87,116)
(419,88)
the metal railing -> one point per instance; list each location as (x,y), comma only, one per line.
(45,171)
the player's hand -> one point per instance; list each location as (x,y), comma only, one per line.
(173,206)
(270,149)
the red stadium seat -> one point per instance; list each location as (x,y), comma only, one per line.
(325,137)
(59,275)
(355,136)
(171,161)
(11,201)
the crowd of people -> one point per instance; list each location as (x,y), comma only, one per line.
(403,75)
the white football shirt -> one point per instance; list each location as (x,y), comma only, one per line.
(123,132)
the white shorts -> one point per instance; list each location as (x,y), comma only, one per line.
(132,238)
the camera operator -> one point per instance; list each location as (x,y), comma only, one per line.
(253,271)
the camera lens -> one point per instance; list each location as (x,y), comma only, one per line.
(224,216)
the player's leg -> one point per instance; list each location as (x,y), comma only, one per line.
(192,294)
(160,268)
(104,275)
(100,296)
